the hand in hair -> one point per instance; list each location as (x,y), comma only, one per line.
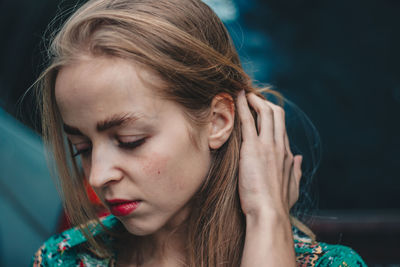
(269,174)
(269,177)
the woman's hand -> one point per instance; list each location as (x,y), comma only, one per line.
(269,179)
(269,174)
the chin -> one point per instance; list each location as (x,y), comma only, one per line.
(141,228)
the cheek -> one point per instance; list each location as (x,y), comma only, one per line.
(154,165)
(163,172)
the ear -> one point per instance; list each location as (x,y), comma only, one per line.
(222,117)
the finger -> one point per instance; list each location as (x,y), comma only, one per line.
(282,144)
(294,184)
(246,119)
(265,117)
(288,158)
(279,126)
(287,145)
(288,174)
(298,160)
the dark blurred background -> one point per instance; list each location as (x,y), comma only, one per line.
(337,60)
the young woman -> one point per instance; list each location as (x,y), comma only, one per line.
(147,102)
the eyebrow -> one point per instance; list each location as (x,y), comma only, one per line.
(114,121)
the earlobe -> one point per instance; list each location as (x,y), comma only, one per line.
(222,115)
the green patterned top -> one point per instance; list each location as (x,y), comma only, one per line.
(66,249)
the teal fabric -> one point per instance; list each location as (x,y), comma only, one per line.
(66,249)
(26,212)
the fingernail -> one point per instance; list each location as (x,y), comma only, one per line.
(241,93)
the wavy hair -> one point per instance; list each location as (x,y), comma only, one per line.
(188,47)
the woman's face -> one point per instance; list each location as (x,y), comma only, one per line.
(134,146)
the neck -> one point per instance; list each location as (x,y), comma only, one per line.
(166,247)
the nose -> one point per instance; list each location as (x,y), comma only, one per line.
(103,169)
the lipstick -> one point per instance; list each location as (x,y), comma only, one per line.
(121,207)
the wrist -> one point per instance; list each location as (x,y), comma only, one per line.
(262,213)
(267,220)
(269,239)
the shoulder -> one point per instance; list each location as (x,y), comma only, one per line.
(318,254)
(69,248)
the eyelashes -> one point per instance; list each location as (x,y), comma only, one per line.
(85,152)
(131,145)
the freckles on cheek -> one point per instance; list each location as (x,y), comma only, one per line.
(157,168)
(154,165)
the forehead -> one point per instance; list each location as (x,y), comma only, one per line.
(99,86)
(88,75)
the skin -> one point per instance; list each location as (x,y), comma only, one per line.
(167,169)
(269,177)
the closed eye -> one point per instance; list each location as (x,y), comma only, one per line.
(131,145)
(84,152)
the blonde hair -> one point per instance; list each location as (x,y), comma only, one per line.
(189,48)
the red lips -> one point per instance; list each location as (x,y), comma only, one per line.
(122,207)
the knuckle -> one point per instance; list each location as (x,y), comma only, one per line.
(270,111)
(267,110)
(280,110)
(275,106)
(288,156)
(281,148)
(285,153)
(266,145)
(271,148)
(247,121)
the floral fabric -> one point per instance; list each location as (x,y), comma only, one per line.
(66,249)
